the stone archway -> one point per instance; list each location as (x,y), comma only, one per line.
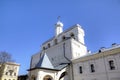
(48,77)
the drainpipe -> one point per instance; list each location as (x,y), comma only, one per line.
(68,60)
(64,53)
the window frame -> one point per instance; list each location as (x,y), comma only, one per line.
(92,68)
(55,41)
(49,45)
(111,64)
(63,38)
(72,35)
(80,69)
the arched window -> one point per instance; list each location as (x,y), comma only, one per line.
(48,45)
(80,69)
(63,38)
(6,73)
(55,41)
(11,72)
(92,68)
(72,35)
(14,74)
(43,48)
(111,65)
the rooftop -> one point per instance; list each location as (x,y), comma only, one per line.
(100,53)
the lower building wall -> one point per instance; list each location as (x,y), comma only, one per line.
(113,76)
(101,67)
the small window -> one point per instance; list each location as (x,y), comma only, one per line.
(43,48)
(6,73)
(48,45)
(111,64)
(72,35)
(80,69)
(11,72)
(14,74)
(55,41)
(92,68)
(63,38)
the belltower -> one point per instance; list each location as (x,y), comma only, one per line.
(58,27)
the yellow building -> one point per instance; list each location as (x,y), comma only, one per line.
(9,71)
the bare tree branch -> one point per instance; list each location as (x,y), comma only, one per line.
(5,57)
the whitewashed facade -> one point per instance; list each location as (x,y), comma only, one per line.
(104,65)
(65,57)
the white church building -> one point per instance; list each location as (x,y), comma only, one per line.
(65,57)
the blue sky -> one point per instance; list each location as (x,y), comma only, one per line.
(26,24)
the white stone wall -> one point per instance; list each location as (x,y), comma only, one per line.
(40,74)
(71,47)
(78,49)
(76,30)
(74,48)
(56,52)
(102,69)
